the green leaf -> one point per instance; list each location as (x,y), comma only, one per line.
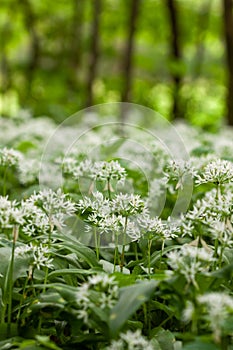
(164,337)
(73,272)
(5,333)
(74,246)
(156,255)
(44,340)
(131,298)
(200,345)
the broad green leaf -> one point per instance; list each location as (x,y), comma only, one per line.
(200,345)
(131,298)
(73,272)
(5,332)
(44,340)
(83,252)
(164,337)
(157,255)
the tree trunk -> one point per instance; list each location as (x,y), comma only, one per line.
(94,51)
(76,41)
(176,57)
(30,24)
(228,28)
(128,56)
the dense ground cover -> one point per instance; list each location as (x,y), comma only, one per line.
(131,248)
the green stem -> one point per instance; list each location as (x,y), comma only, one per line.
(149,252)
(96,244)
(136,250)
(123,245)
(24,294)
(109,189)
(47,269)
(220,256)
(10,279)
(4,181)
(216,243)
(161,254)
(115,252)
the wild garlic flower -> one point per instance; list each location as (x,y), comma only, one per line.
(55,205)
(180,171)
(188,312)
(156,228)
(218,172)
(152,227)
(101,285)
(46,210)
(83,302)
(218,307)
(97,171)
(210,211)
(38,255)
(127,204)
(189,260)
(10,213)
(9,157)
(113,216)
(28,171)
(108,288)
(96,204)
(36,220)
(131,341)
(107,171)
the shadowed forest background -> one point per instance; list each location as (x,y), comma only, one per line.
(174,56)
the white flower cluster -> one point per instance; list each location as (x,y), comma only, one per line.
(46,209)
(215,308)
(9,157)
(28,170)
(108,290)
(131,341)
(53,203)
(218,172)
(10,213)
(218,306)
(189,260)
(38,254)
(102,171)
(127,204)
(179,170)
(110,215)
(214,213)
(37,214)
(153,227)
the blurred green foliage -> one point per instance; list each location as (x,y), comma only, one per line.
(45,53)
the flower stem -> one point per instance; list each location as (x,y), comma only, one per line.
(115,252)
(96,244)
(123,245)
(4,181)
(10,278)
(149,261)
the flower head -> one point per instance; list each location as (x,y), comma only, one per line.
(218,172)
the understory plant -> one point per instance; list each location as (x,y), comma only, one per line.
(102,261)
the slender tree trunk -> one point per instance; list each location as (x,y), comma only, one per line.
(128,51)
(127,63)
(94,50)
(228,28)
(176,56)
(76,41)
(30,24)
